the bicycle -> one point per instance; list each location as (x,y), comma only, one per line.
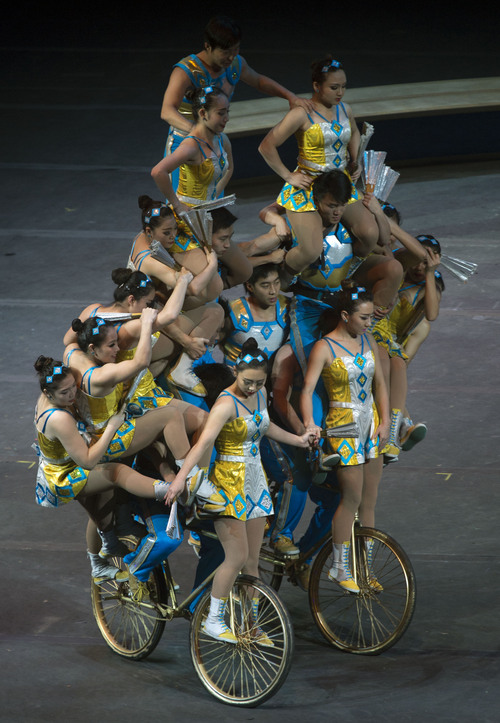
(131,616)
(368,622)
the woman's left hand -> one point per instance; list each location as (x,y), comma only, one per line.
(383,432)
(174,490)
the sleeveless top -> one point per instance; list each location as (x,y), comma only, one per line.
(198,183)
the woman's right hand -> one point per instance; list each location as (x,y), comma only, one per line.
(299,179)
(185,276)
(196,346)
(116,421)
(148,316)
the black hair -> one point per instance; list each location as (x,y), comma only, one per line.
(260,272)
(222,218)
(129,282)
(222,32)
(215,377)
(203,98)
(430,242)
(347,300)
(321,68)
(153,212)
(51,373)
(249,349)
(391,212)
(91,331)
(439,280)
(334,182)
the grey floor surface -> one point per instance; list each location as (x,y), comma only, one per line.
(77,145)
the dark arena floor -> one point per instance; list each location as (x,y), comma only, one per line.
(80,130)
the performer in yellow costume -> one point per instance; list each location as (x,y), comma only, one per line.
(235,425)
(204,158)
(328,138)
(348,362)
(71,469)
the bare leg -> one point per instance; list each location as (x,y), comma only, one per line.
(106,477)
(372,476)
(362,226)
(233,537)
(383,276)
(255,534)
(308,228)
(351,484)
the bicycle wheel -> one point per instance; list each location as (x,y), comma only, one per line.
(372,620)
(127,613)
(246,673)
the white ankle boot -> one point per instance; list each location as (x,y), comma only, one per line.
(183,376)
(215,625)
(103,570)
(341,570)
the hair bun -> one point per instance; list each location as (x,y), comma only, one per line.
(77,325)
(121,276)
(42,362)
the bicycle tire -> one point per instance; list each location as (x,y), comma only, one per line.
(245,674)
(127,613)
(372,621)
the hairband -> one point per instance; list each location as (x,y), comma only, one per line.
(249,358)
(145,282)
(430,239)
(206,91)
(99,323)
(154,212)
(57,370)
(333,64)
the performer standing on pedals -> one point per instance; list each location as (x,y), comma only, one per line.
(235,425)
(161,253)
(348,362)
(218,65)
(71,469)
(262,314)
(328,138)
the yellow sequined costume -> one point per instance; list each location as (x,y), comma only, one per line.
(59,478)
(237,472)
(143,390)
(322,147)
(96,411)
(348,383)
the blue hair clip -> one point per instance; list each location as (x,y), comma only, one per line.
(99,323)
(154,212)
(206,91)
(333,64)
(355,294)
(249,358)
(56,370)
(145,282)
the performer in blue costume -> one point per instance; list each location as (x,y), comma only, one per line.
(236,424)
(218,65)
(287,381)
(263,314)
